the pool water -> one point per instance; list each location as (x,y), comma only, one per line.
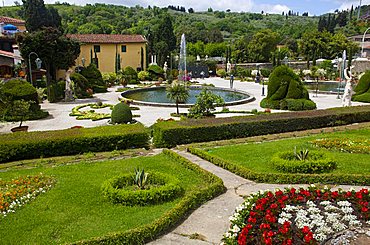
(159,95)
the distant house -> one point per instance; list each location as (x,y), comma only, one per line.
(7,63)
(366,43)
(8,28)
(111,52)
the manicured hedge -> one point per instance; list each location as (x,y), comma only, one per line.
(164,188)
(283,178)
(17,146)
(316,163)
(213,186)
(172,133)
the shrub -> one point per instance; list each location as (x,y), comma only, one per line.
(57,91)
(121,113)
(316,162)
(80,86)
(18,110)
(161,188)
(110,78)
(155,72)
(130,75)
(363,85)
(170,134)
(17,89)
(284,84)
(221,73)
(143,75)
(205,104)
(95,78)
(71,141)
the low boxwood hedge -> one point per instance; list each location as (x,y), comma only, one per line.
(283,178)
(28,145)
(170,134)
(316,163)
(213,186)
(161,188)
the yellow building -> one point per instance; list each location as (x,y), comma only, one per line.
(111,52)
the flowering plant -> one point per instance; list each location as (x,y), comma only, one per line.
(303,216)
(344,145)
(18,192)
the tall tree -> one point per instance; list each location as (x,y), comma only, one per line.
(38,16)
(262,45)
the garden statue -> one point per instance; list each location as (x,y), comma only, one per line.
(165,67)
(68,90)
(348,90)
(228,67)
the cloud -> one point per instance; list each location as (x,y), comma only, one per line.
(347,4)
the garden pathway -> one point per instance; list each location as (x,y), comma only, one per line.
(207,224)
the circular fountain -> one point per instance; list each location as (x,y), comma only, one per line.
(156,96)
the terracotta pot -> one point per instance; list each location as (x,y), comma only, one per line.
(19,129)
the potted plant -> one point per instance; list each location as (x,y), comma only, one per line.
(18,110)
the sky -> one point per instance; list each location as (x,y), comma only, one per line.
(313,7)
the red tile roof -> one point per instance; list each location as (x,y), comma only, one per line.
(9,54)
(107,38)
(8,20)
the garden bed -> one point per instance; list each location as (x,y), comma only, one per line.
(253,161)
(75,210)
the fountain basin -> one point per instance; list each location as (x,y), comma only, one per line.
(157,96)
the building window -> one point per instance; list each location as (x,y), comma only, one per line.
(123,48)
(97,48)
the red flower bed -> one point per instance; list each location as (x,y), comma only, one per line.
(304,216)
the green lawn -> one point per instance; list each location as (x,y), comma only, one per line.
(256,156)
(74,209)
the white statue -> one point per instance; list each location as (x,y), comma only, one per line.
(348,91)
(68,90)
(228,67)
(165,67)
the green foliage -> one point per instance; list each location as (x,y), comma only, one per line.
(57,91)
(121,113)
(140,178)
(205,104)
(313,163)
(143,75)
(155,69)
(301,155)
(17,89)
(142,224)
(50,43)
(282,178)
(170,134)
(262,45)
(221,73)
(90,114)
(286,91)
(178,93)
(362,89)
(110,78)
(38,16)
(18,110)
(95,78)
(130,75)
(80,86)
(160,188)
(71,141)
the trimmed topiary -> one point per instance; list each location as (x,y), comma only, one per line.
(95,78)
(121,113)
(362,89)
(286,91)
(159,188)
(18,89)
(314,163)
(81,84)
